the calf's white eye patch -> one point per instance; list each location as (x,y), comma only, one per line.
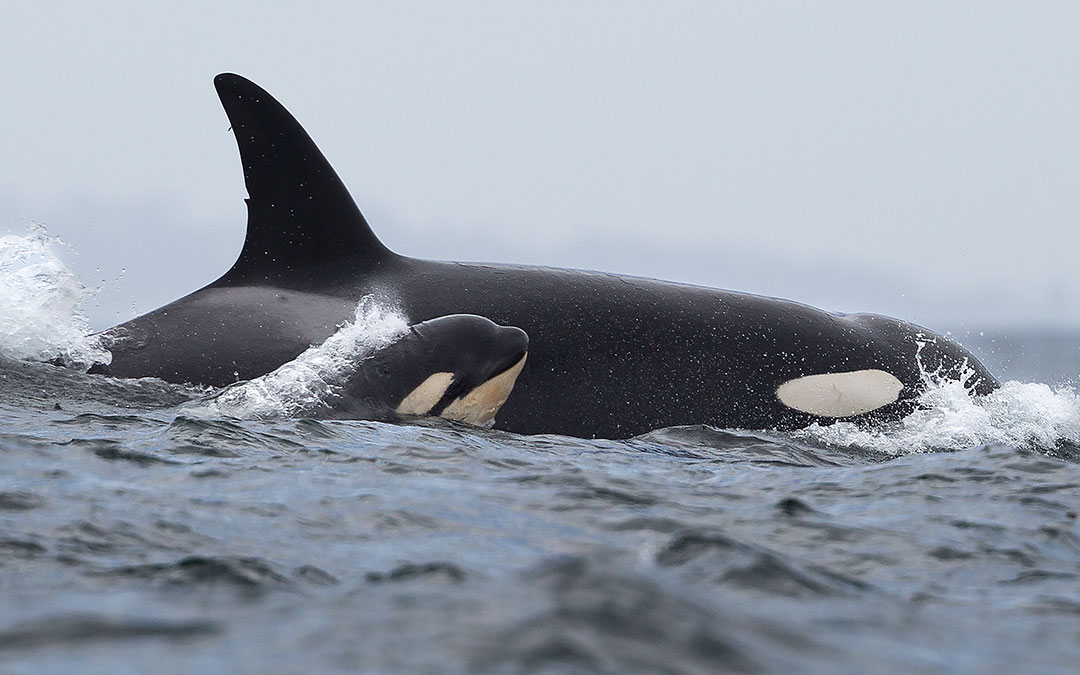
(422,399)
(840,394)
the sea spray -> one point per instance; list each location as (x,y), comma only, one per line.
(1022,415)
(315,375)
(41,316)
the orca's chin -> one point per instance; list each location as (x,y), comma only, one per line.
(480,405)
(508,363)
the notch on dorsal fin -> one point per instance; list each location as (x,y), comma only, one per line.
(299,212)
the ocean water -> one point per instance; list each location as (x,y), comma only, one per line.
(146,527)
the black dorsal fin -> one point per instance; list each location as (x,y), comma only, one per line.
(299,212)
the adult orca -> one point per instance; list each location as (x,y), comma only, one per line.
(459,367)
(611,356)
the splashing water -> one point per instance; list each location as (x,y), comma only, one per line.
(1021,415)
(41,315)
(312,377)
(950,417)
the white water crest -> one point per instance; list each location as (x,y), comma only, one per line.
(949,417)
(41,318)
(1022,415)
(41,315)
(313,377)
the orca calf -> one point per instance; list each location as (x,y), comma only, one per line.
(459,367)
(611,356)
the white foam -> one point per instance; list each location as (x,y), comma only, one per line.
(948,417)
(312,377)
(1024,415)
(41,316)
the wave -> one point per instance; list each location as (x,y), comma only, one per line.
(41,300)
(313,377)
(1018,414)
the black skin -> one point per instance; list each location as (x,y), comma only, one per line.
(611,356)
(471,347)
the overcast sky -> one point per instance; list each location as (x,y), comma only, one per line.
(915,159)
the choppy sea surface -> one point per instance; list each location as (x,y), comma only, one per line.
(147,528)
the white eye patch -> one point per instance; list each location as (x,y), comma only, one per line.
(840,394)
(422,399)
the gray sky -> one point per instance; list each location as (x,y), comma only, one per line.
(916,159)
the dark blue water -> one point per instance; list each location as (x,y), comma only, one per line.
(139,534)
(134,538)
